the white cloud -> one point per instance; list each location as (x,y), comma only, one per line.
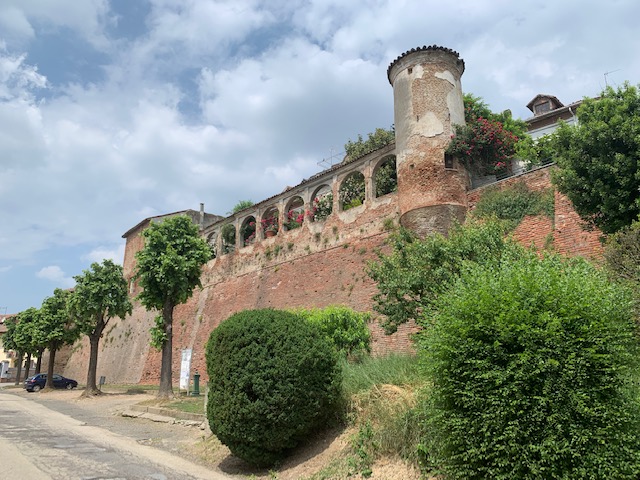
(104,253)
(55,274)
(220,100)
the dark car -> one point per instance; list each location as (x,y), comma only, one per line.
(37,382)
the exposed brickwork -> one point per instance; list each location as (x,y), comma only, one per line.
(569,236)
(324,263)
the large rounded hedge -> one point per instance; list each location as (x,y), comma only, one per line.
(273,378)
(534,371)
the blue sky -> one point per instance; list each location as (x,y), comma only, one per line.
(115,110)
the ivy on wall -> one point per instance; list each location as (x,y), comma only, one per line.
(512,204)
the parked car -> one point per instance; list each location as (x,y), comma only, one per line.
(37,382)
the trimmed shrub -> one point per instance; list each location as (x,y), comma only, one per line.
(345,328)
(534,371)
(273,378)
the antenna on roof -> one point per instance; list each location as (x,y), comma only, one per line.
(334,157)
(607,73)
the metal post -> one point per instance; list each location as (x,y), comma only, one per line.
(196,384)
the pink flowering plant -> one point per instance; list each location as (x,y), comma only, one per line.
(295,218)
(322,207)
(484,146)
(269,224)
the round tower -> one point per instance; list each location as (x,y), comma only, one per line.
(427,103)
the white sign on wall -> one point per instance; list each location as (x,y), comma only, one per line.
(185,369)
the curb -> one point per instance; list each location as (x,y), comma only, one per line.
(166,415)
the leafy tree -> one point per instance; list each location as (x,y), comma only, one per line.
(533,370)
(9,343)
(598,159)
(169,268)
(99,295)
(475,107)
(378,139)
(27,321)
(274,378)
(241,205)
(416,272)
(55,327)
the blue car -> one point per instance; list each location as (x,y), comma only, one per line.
(37,382)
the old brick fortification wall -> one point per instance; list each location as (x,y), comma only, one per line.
(324,262)
(316,265)
(565,232)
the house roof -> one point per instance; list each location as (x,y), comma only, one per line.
(209,218)
(544,95)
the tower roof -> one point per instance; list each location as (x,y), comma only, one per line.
(425,49)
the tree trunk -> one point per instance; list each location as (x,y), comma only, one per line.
(39,361)
(19,367)
(52,359)
(27,366)
(166,386)
(94,342)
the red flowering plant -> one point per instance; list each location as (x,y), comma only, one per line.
(295,218)
(249,232)
(484,146)
(269,224)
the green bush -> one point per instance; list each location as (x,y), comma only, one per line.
(345,328)
(534,371)
(273,378)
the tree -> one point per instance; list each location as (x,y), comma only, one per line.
(378,139)
(241,205)
(27,321)
(169,268)
(416,272)
(55,327)
(100,294)
(9,343)
(598,159)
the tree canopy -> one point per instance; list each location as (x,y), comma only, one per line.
(168,268)
(100,294)
(55,327)
(377,139)
(412,276)
(598,159)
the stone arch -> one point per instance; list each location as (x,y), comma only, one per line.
(212,241)
(228,234)
(294,213)
(352,191)
(385,176)
(270,224)
(321,203)
(248,231)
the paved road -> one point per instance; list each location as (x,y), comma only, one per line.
(39,443)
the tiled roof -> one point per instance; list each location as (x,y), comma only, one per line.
(424,49)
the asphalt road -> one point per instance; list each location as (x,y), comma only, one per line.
(42,440)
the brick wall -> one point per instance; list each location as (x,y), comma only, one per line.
(317,265)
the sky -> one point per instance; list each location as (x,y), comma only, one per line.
(112,111)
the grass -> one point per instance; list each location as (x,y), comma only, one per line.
(401,370)
(381,404)
(188,404)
